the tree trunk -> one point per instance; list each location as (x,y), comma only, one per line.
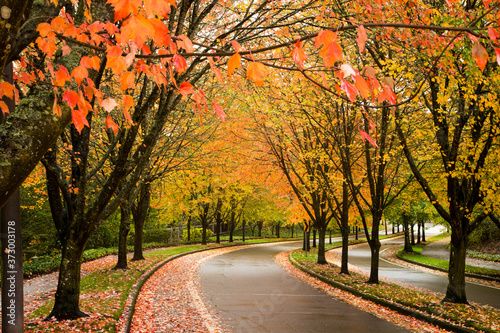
(423,231)
(139,213)
(330,236)
(356,233)
(455,292)
(67,297)
(293,227)
(418,232)
(375,252)
(321,246)
(278,231)
(123,233)
(406,230)
(259,226)
(188,227)
(314,237)
(204,233)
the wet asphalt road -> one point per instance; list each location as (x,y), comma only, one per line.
(360,256)
(254,294)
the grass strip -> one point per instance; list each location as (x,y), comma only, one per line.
(421,305)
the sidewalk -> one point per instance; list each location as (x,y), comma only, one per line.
(439,250)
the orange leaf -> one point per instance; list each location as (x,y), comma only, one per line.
(124,8)
(186,89)
(128,118)
(185,43)
(179,63)
(127,80)
(128,102)
(78,120)
(62,76)
(71,97)
(137,28)
(56,109)
(387,95)
(298,54)
(368,138)
(91,62)
(111,124)
(331,54)
(256,72)
(44,29)
(236,46)
(492,33)
(4,108)
(215,70)
(349,89)
(233,63)
(7,89)
(362,38)
(324,38)
(109,104)
(79,74)
(362,86)
(480,55)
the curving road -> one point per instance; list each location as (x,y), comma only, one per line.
(360,257)
(254,294)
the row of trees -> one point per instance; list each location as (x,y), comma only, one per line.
(102,86)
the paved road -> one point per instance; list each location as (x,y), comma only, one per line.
(360,256)
(254,294)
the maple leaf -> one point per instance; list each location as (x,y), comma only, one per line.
(361,38)
(331,53)
(71,97)
(91,62)
(128,117)
(347,70)
(179,63)
(349,89)
(128,102)
(236,46)
(109,104)
(186,89)
(158,7)
(497,52)
(185,43)
(79,74)
(256,72)
(362,86)
(127,80)
(492,33)
(137,28)
(61,76)
(79,121)
(7,89)
(367,137)
(387,95)
(4,108)
(124,8)
(111,124)
(480,56)
(298,54)
(44,29)
(233,63)
(219,112)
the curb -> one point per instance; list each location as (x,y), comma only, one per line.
(471,275)
(393,306)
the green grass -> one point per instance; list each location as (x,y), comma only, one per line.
(474,316)
(438,237)
(443,264)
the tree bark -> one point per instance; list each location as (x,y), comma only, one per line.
(375,254)
(140,213)
(122,238)
(321,246)
(455,292)
(406,230)
(67,297)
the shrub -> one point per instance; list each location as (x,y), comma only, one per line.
(196,234)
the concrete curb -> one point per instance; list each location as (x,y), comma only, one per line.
(476,276)
(393,306)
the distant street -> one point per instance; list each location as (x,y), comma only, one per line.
(253,294)
(360,256)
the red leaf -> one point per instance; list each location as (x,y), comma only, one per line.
(179,63)
(186,89)
(71,97)
(368,138)
(78,120)
(236,46)
(4,108)
(497,51)
(124,8)
(62,76)
(480,55)
(111,124)
(362,38)
(387,95)
(185,43)
(349,89)
(127,80)
(492,33)
(298,54)
(362,86)
(219,112)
